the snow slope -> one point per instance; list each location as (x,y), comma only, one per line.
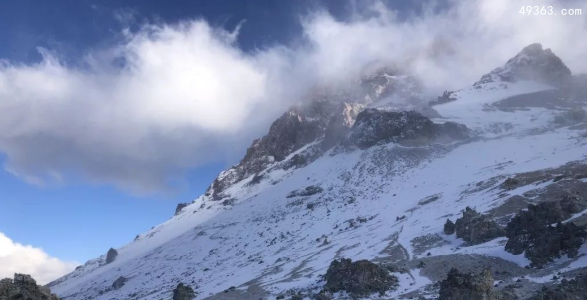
(266,243)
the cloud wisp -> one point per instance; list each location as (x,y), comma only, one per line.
(170,98)
(17,258)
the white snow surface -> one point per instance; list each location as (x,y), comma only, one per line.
(277,243)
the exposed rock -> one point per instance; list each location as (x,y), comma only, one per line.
(340,123)
(510,183)
(24,287)
(476,228)
(118,283)
(111,255)
(449,227)
(360,278)
(374,126)
(183,292)
(294,129)
(447,96)
(308,191)
(531,231)
(532,63)
(459,286)
(179,207)
(575,289)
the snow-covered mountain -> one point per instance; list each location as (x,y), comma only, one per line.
(365,180)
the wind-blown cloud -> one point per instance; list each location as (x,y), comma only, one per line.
(170,98)
(17,258)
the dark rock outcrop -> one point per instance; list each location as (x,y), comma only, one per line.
(374,126)
(308,191)
(179,207)
(532,63)
(118,283)
(476,228)
(575,289)
(447,96)
(459,286)
(531,231)
(360,278)
(183,292)
(24,287)
(111,255)
(449,227)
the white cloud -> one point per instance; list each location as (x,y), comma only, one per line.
(17,258)
(170,98)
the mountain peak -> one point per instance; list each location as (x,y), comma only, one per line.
(533,63)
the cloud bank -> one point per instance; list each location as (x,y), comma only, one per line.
(17,258)
(171,97)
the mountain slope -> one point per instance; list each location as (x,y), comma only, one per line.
(343,180)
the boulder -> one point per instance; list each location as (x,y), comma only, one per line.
(476,228)
(111,255)
(459,286)
(360,278)
(449,227)
(118,283)
(308,191)
(179,207)
(183,292)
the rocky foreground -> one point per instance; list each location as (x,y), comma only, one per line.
(24,287)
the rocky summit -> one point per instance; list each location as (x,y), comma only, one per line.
(24,287)
(377,190)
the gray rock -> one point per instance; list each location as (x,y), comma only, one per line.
(374,126)
(447,96)
(360,279)
(111,255)
(530,232)
(179,207)
(118,283)
(183,292)
(449,227)
(476,228)
(459,286)
(308,191)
